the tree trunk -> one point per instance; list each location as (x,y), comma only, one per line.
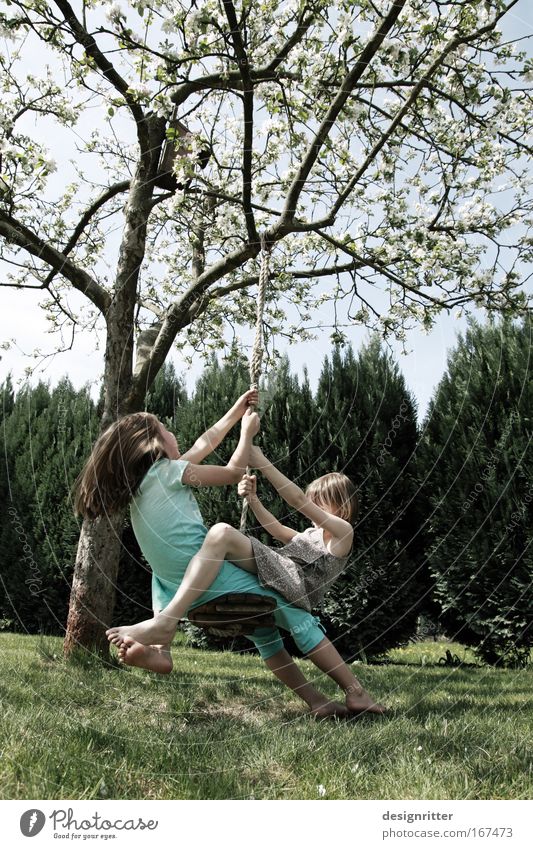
(92,596)
(94,583)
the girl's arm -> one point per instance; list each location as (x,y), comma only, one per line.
(195,475)
(248,489)
(212,438)
(340,530)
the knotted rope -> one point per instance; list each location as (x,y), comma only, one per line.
(256,358)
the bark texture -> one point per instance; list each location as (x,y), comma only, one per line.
(92,596)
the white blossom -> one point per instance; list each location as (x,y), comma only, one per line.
(49,165)
(169,25)
(114,12)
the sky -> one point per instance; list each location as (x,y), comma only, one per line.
(24,323)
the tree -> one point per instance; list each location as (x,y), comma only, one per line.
(478,460)
(215,390)
(319,134)
(286,437)
(8,398)
(167,395)
(368,430)
(45,439)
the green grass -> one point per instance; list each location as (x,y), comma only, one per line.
(222,727)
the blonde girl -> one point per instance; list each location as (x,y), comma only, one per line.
(301,571)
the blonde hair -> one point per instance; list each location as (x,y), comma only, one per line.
(336,493)
(120,458)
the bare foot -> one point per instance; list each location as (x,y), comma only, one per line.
(145,657)
(326,709)
(156,631)
(358,701)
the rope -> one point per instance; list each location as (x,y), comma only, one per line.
(256,358)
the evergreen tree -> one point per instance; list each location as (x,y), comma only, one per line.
(8,398)
(215,391)
(167,395)
(479,461)
(287,440)
(46,437)
(367,429)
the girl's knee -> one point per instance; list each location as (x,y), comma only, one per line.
(220,534)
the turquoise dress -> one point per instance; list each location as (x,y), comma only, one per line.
(169,528)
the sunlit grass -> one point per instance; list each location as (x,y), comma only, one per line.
(222,727)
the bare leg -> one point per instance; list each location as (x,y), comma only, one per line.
(222,542)
(327,658)
(284,668)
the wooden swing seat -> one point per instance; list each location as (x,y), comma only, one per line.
(234,614)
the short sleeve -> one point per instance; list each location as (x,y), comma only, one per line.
(170,472)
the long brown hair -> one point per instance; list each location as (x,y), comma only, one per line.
(121,456)
(336,493)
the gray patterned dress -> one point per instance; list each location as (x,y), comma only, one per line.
(302,570)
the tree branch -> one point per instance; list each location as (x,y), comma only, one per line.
(198,247)
(328,220)
(476,118)
(380,268)
(193,303)
(291,42)
(179,315)
(248,116)
(296,273)
(428,140)
(233,79)
(232,82)
(216,194)
(18,234)
(102,62)
(333,112)
(111,192)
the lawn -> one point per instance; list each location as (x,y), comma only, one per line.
(221,727)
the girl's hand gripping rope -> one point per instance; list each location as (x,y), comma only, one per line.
(242,404)
(250,423)
(247,487)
